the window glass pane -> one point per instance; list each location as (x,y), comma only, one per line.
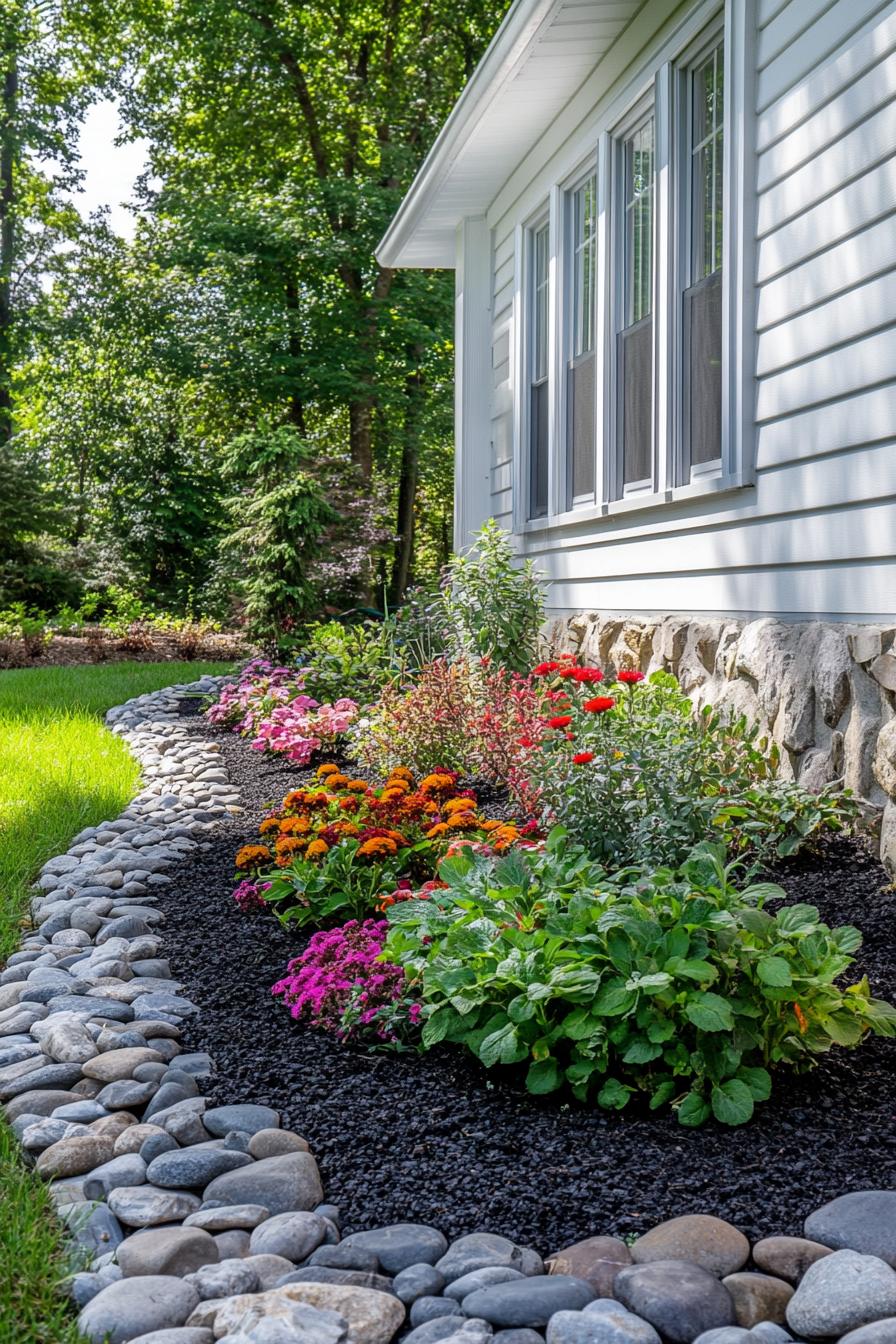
(634,351)
(703,338)
(580,411)
(584,255)
(636,400)
(540,301)
(638,162)
(707,109)
(538,451)
(538,401)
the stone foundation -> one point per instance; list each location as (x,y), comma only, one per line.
(825,693)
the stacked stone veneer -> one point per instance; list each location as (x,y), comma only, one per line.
(825,693)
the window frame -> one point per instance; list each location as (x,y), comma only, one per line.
(540,223)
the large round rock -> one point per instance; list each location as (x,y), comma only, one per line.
(400,1245)
(133,1307)
(864,1220)
(679,1299)
(244,1116)
(597,1260)
(842,1292)
(788,1257)
(281,1184)
(758,1297)
(167,1250)
(530,1301)
(603,1322)
(373,1317)
(702,1240)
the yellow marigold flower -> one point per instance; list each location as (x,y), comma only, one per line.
(492,825)
(430,809)
(437,784)
(357,786)
(295,826)
(269,824)
(253,856)
(289,845)
(401,772)
(327,769)
(317,849)
(457,805)
(440,828)
(380,846)
(399,783)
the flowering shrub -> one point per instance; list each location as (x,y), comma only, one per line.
(635,775)
(340,982)
(670,984)
(342,846)
(269,704)
(471,716)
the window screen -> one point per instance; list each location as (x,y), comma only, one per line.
(538,401)
(580,365)
(635,340)
(702,300)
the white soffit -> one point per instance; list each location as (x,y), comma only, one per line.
(541,54)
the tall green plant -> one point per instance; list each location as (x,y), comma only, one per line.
(279,516)
(494,608)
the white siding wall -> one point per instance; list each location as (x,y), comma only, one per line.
(817,531)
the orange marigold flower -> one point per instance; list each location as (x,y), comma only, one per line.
(380,847)
(457,805)
(295,826)
(401,772)
(294,799)
(345,828)
(437,784)
(287,847)
(391,795)
(440,828)
(317,799)
(327,769)
(492,825)
(463,821)
(269,824)
(253,856)
(398,782)
(317,849)
(357,786)
(430,809)
(337,781)
(348,804)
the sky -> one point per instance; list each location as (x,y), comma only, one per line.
(110,170)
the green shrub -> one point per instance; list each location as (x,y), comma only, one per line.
(671,984)
(349,661)
(311,891)
(636,776)
(493,608)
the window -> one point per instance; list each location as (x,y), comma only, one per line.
(580,382)
(634,340)
(702,296)
(538,375)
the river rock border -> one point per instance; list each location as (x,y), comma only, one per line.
(190,1224)
(825,692)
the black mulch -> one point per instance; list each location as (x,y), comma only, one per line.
(437,1139)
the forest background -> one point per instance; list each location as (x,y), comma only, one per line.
(237,408)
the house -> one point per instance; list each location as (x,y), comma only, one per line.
(673,227)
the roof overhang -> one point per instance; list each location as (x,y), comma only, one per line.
(540,55)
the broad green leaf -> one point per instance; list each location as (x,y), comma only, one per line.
(693,1111)
(614,1095)
(758,1080)
(503,1047)
(709,1012)
(732,1102)
(795,918)
(665,1092)
(641,1052)
(774,971)
(544,1076)
(613,1000)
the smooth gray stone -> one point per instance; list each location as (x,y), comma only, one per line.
(191,1168)
(522,1335)
(529,1301)
(57,1077)
(184,1335)
(226,1279)
(126,926)
(90,1005)
(83,1287)
(345,1256)
(606,1327)
(282,1184)
(878,1332)
(169,1005)
(476,1251)
(766,1332)
(151,1302)
(728,1334)
(40,1101)
(166,1250)
(149,1205)
(457,1329)
(430,1308)
(93,1226)
(168,1094)
(84,1112)
(128,1169)
(863,1220)
(842,1292)
(481,1278)
(167,1049)
(152,1072)
(125,1094)
(47,1131)
(400,1245)
(120,1040)
(679,1299)
(247,1118)
(156,1145)
(242,1217)
(347,1278)
(293,1235)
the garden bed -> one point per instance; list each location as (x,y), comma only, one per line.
(438,1139)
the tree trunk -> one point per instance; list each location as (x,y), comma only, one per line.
(360,435)
(7,236)
(296,414)
(407,480)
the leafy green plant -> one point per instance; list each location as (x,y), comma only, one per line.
(349,661)
(493,607)
(309,891)
(672,984)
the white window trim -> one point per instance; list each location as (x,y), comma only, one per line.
(738,28)
(524,311)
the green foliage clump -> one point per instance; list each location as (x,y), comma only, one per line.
(673,985)
(493,608)
(353,661)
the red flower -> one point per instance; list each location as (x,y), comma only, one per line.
(583,757)
(569,672)
(600,704)
(559,720)
(526,742)
(544,669)
(586,674)
(629,677)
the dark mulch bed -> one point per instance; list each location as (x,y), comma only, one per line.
(436,1139)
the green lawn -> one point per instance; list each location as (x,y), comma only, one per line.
(59,772)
